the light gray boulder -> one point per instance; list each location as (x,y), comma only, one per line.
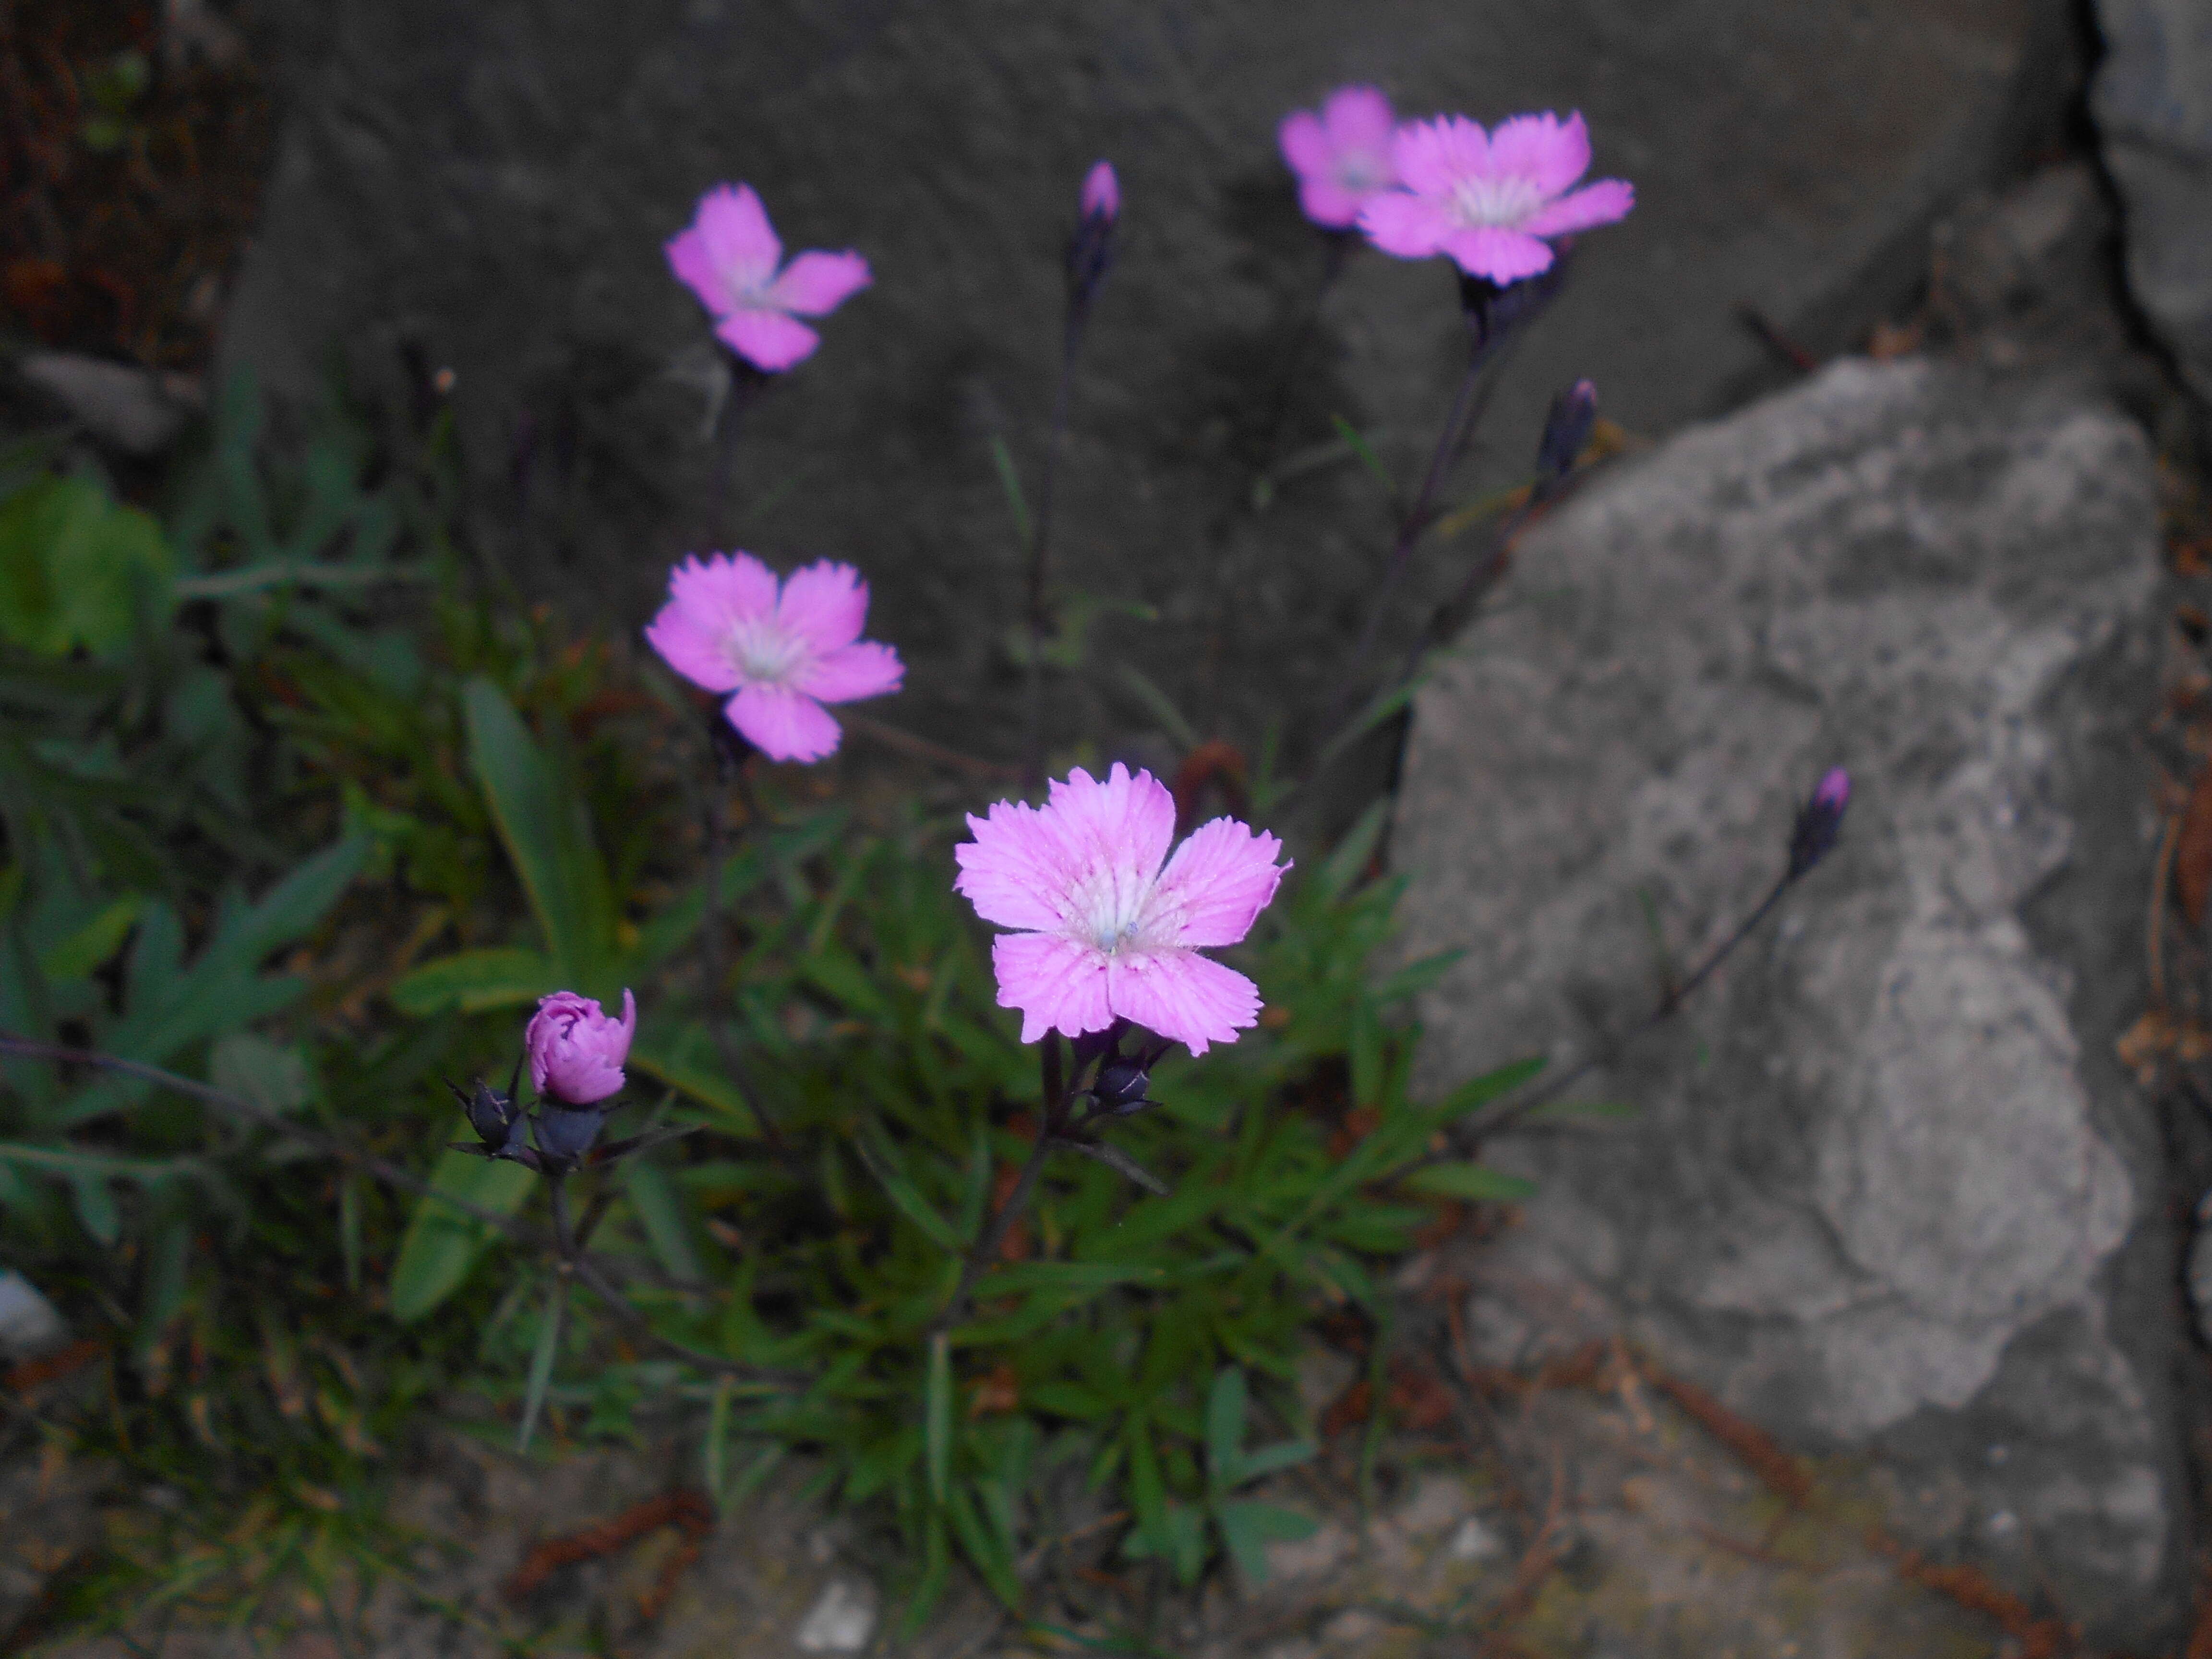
(2152,101)
(489,187)
(1888,1192)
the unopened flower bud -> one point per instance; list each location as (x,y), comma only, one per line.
(1090,249)
(565,1133)
(576,1052)
(1566,430)
(498,1121)
(1102,192)
(1813,836)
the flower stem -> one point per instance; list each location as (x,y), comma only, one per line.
(746,384)
(714,941)
(1508,1112)
(1052,1119)
(1040,570)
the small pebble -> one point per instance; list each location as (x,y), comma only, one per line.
(1475,1541)
(841,1620)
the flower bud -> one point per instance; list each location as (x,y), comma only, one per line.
(565,1133)
(1102,192)
(575,1051)
(1090,249)
(1566,430)
(1813,836)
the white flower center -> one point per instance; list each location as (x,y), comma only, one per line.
(765,653)
(1110,913)
(1479,201)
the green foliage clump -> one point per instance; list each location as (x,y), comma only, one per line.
(301,806)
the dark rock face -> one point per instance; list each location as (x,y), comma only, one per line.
(1888,1192)
(490,185)
(2153,104)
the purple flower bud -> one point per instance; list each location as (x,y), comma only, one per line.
(575,1051)
(1566,430)
(1102,192)
(1813,836)
(1090,249)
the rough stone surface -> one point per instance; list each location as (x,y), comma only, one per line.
(2153,105)
(489,189)
(1888,1192)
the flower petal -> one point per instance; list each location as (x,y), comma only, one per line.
(1058,984)
(1016,872)
(1432,156)
(724,591)
(850,672)
(1359,118)
(1217,882)
(688,259)
(701,656)
(767,339)
(741,244)
(1549,153)
(1502,255)
(1115,835)
(1305,146)
(783,723)
(1409,226)
(1599,203)
(825,604)
(814,284)
(1182,996)
(1330,204)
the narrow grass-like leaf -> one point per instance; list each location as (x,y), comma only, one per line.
(541,1361)
(442,1244)
(937,1416)
(1475,1182)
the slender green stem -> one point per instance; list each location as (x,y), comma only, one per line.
(1037,607)
(715,943)
(1507,1112)
(1051,1120)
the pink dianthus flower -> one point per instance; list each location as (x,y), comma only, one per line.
(1109,932)
(728,256)
(1490,200)
(727,626)
(1102,192)
(576,1052)
(1342,156)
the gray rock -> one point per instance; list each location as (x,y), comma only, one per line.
(490,188)
(127,408)
(29,1325)
(1888,1191)
(2152,101)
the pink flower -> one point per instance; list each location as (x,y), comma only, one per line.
(1489,199)
(1106,931)
(727,628)
(576,1052)
(728,258)
(1342,155)
(1102,192)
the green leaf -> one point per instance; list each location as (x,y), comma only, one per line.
(937,1415)
(686,1059)
(475,981)
(1343,866)
(1480,1092)
(441,1244)
(1475,1182)
(95,1206)
(547,838)
(277,1079)
(660,1206)
(1226,1405)
(902,1193)
(542,1356)
(82,951)
(1248,1527)
(76,570)
(1569,1110)
(988,1554)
